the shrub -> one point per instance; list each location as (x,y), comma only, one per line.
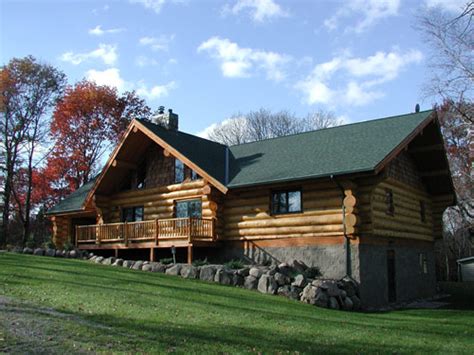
(200,262)
(235,264)
(68,246)
(49,245)
(30,243)
(166,261)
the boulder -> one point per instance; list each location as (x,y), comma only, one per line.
(174,270)
(108,261)
(237,279)
(137,265)
(50,252)
(285,269)
(223,276)
(244,271)
(99,260)
(355,302)
(312,272)
(298,266)
(272,270)
(147,267)
(300,281)
(267,284)
(250,282)
(309,294)
(128,264)
(295,293)
(17,250)
(92,259)
(332,289)
(189,272)
(208,272)
(281,279)
(284,291)
(27,251)
(321,298)
(347,304)
(60,253)
(349,285)
(333,304)
(118,262)
(255,272)
(38,251)
(158,267)
(74,254)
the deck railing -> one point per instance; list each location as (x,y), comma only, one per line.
(179,229)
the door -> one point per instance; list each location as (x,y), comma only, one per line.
(391,277)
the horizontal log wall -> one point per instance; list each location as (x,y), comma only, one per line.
(159,202)
(406,220)
(247,215)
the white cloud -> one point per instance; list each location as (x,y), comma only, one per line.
(106,52)
(109,77)
(354,81)
(144,61)
(98,31)
(238,62)
(368,13)
(447,5)
(233,122)
(157,91)
(160,43)
(259,10)
(112,77)
(155,5)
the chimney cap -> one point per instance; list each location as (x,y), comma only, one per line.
(161,109)
(417,108)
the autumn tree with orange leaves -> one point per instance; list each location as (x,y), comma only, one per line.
(88,121)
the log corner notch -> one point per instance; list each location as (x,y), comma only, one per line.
(349,219)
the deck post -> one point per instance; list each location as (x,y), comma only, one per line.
(152,254)
(125,234)
(190,254)
(157,234)
(189,229)
(116,253)
(75,235)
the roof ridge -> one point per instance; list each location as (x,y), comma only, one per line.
(333,127)
(186,133)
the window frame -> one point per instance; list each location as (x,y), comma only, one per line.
(186,201)
(134,213)
(286,192)
(176,162)
(389,202)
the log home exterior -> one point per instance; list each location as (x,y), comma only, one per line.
(364,200)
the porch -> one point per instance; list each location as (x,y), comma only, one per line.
(159,233)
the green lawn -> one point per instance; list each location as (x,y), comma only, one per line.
(59,305)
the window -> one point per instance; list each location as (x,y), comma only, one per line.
(188,208)
(194,175)
(423,263)
(422,211)
(389,202)
(178,171)
(286,201)
(132,214)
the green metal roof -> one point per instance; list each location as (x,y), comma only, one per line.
(344,149)
(348,149)
(74,202)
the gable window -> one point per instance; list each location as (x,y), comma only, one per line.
(188,208)
(194,175)
(389,202)
(178,171)
(288,201)
(132,214)
(422,211)
(141,175)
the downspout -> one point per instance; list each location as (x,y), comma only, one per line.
(347,240)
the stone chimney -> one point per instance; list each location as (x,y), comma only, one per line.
(168,120)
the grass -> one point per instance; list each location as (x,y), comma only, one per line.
(61,305)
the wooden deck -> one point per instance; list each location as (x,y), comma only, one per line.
(159,233)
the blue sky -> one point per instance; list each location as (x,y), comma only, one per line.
(210,59)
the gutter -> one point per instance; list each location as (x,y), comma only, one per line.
(348,242)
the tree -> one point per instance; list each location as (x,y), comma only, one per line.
(88,121)
(452,59)
(29,90)
(264,124)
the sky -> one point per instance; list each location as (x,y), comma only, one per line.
(209,60)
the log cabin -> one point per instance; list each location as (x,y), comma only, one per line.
(363,199)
